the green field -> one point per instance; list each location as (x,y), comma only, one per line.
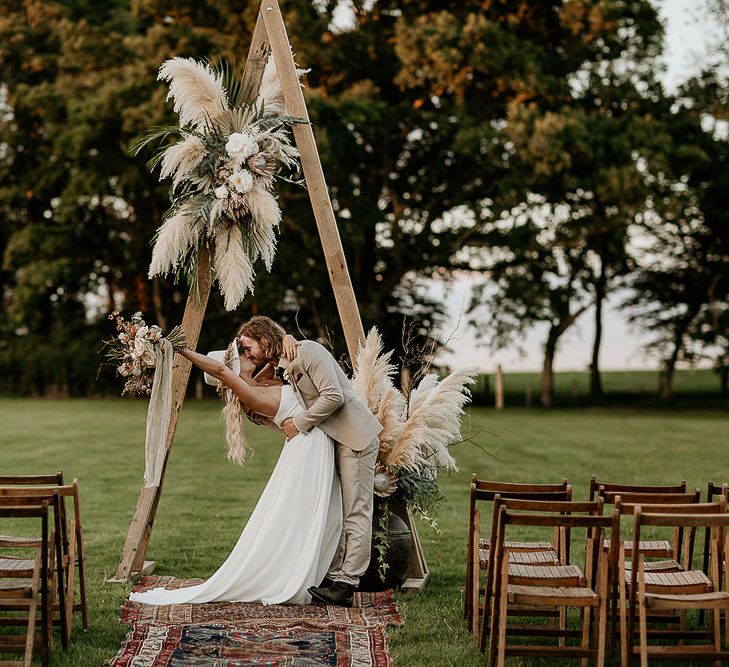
(690,387)
(206,500)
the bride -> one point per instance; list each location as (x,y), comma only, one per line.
(293,534)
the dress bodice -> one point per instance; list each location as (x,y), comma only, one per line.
(289,405)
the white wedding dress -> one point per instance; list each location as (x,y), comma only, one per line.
(292,535)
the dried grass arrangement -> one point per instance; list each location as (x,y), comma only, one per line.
(231,149)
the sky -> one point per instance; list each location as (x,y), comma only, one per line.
(621,345)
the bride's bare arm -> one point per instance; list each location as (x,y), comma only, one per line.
(264,400)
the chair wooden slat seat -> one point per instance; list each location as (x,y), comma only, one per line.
(544,575)
(10,587)
(17,541)
(691,581)
(658,566)
(19,567)
(520,546)
(687,601)
(649,548)
(579,596)
(521,557)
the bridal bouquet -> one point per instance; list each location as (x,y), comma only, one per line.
(416,433)
(133,351)
(229,152)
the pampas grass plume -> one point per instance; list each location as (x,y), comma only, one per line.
(181,159)
(198,94)
(266,217)
(174,237)
(232,266)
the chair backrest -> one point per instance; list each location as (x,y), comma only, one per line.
(40,491)
(555,506)
(31,480)
(649,498)
(595,484)
(486,496)
(517,487)
(717,522)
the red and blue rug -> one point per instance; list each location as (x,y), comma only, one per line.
(228,634)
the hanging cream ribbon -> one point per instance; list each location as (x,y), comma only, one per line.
(158,414)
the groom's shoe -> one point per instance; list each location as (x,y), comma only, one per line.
(339,594)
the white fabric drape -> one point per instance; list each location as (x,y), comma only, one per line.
(158,414)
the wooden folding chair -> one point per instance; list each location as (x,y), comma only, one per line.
(21,590)
(478,548)
(507,593)
(688,589)
(528,567)
(67,544)
(664,570)
(22,566)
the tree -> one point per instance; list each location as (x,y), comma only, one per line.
(682,286)
(571,142)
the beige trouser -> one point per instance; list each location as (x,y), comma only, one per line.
(357,472)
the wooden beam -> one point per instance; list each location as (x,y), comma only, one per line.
(315,183)
(258,53)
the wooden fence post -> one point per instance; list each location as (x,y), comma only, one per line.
(499,388)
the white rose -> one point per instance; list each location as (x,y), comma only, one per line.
(242,181)
(240,145)
(221,192)
(139,342)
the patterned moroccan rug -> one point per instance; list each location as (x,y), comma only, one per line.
(232,634)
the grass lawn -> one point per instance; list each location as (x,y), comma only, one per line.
(697,387)
(207,500)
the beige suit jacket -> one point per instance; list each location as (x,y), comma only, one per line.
(327,394)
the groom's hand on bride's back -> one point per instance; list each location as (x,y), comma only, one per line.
(290,347)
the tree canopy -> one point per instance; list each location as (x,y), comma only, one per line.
(524,142)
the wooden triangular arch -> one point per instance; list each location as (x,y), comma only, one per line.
(269,37)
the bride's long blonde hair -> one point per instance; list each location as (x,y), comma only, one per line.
(233,414)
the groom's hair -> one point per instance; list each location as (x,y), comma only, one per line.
(267,332)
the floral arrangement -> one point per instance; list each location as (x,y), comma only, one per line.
(133,351)
(223,168)
(416,434)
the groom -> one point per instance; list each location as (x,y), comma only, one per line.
(327,394)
